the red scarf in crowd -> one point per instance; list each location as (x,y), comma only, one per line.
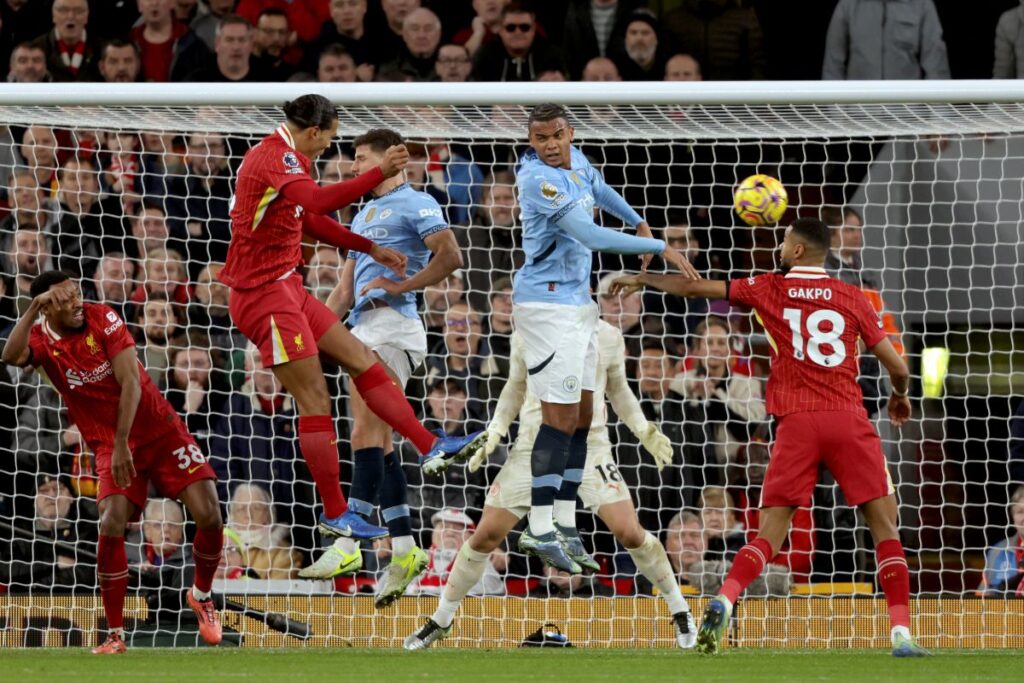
(72,56)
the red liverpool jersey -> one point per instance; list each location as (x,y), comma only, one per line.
(80,367)
(813,323)
(266,228)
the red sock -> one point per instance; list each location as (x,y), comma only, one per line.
(747,566)
(319,444)
(206,549)
(388,402)
(112,570)
(894,578)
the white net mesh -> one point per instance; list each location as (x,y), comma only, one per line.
(134,200)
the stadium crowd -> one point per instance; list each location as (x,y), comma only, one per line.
(142,218)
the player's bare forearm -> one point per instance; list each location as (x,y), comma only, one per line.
(446,258)
(679,285)
(341,297)
(126,372)
(899,373)
(16,350)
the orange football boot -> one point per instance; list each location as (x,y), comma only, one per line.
(209,619)
(113,645)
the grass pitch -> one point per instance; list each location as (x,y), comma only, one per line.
(495,666)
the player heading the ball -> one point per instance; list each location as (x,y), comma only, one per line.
(556,316)
(275,203)
(813,323)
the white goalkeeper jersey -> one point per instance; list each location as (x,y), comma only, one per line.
(611,381)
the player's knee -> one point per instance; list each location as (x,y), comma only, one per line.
(207,516)
(484,540)
(113,522)
(631,536)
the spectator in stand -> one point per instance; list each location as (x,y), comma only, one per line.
(113,283)
(209,311)
(1009,61)
(31,257)
(390,34)
(87,226)
(723,35)
(272,38)
(878,40)
(453,64)
(267,552)
(157,37)
(159,322)
(643,58)
(451,528)
(39,150)
(70,55)
(197,387)
(720,409)
(335,169)
(499,326)
(29,207)
(725,534)
(121,165)
(421,36)
(437,299)
(682,67)
(324,272)
(347,27)
(163,553)
(40,422)
(685,544)
(465,357)
(161,158)
(205,23)
(1004,562)
(233,48)
(305,18)
(552,74)
(456,176)
(623,312)
(38,564)
(601,69)
(519,55)
(186,10)
(28,65)
(149,232)
(489,242)
(200,201)
(336,65)
(654,373)
(484,27)
(681,316)
(594,28)
(254,441)
(164,277)
(120,62)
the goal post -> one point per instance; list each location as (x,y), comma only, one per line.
(128,186)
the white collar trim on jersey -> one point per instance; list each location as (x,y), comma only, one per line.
(50,331)
(806,273)
(286,135)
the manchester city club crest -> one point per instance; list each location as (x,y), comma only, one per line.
(385,213)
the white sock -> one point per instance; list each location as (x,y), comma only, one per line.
(899,631)
(200,595)
(347,545)
(541,520)
(119,632)
(565,513)
(465,573)
(652,561)
(402,545)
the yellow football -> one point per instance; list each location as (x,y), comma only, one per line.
(760,200)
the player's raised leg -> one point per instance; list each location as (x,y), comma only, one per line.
(466,572)
(200,498)
(112,569)
(649,555)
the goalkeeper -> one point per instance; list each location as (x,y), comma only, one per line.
(601,489)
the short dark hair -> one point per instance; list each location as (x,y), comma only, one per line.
(549,111)
(379,139)
(335,50)
(273,12)
(311,111)
(814,232)
(118,43)
(28,45)
(518,7)
(44,281)
(831,215)
(850,211)
(232,20)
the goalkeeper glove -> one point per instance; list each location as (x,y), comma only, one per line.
(484,452)
(657,444)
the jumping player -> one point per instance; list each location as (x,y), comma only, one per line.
(275,202)
(813,323)
(385,317)
(601,488)
(89,357)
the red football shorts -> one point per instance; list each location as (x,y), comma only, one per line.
(172,462)
(844,441)
(281,318)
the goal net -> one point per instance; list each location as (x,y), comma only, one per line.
(923,192)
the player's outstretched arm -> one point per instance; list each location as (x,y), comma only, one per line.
(678,285)
(342,297)
(579,223)
(899,376)
(446,259)
(330,198)
(510,402)
(16,351)
(126,372)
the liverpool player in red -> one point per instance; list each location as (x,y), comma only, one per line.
(814,324)
(276,201)
(89,357)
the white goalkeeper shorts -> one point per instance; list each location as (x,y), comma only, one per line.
(400,342)
(601,485)
(560,344)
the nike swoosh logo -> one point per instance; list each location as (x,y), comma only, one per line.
(334,442)
(194,469)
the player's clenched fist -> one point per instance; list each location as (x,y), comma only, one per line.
(395,159)
(121,466)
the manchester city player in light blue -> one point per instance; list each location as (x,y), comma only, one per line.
(384,316)
(556,316)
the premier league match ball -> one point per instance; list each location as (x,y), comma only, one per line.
(760,200)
